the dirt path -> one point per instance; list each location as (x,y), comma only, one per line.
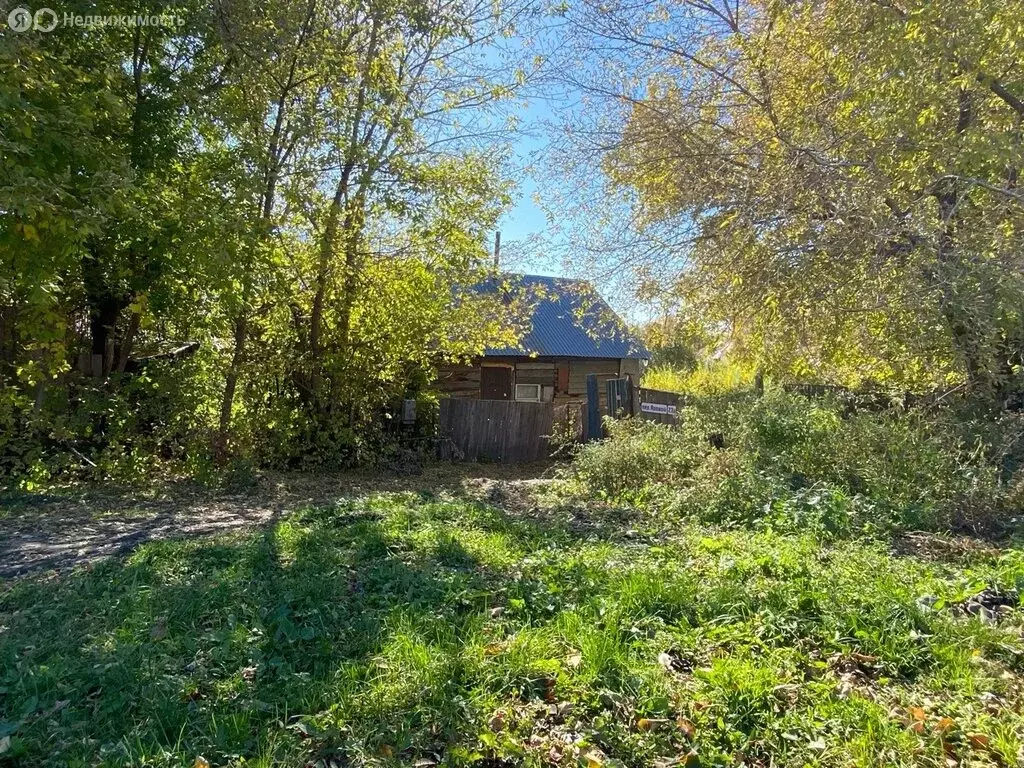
(42,532)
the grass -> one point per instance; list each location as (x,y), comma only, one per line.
(412,629)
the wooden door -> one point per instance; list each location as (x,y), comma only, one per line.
(495,383)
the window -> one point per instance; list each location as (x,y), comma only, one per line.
(528,392)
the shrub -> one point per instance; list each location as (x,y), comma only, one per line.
(789,462)
(637,456)
(125,429)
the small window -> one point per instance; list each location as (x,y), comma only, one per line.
(528,392)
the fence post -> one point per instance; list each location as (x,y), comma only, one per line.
(593,431)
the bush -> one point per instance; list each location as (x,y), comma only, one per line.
(637,457)
(124,430)
(788,462)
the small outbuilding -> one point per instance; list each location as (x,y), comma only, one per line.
(569,331)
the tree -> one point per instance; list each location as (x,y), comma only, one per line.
(98,124)
(841,178)
(358,124)
(302,190)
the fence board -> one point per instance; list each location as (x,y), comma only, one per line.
(497,430)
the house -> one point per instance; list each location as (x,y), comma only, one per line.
(569,331)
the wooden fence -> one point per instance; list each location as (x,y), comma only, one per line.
(497,430)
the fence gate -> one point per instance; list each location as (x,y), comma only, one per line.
(623,399)
(496,430)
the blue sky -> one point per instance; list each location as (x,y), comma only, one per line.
(527,220)
(530,242)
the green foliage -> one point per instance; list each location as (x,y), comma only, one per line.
(838,220)
(787,462)
(395,629)
(707,378)
(150,425)
(310,214)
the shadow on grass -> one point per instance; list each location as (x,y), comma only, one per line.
(82,523)
(257,646)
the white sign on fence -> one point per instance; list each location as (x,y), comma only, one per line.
(658,408)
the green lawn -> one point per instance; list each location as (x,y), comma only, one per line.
(406,629)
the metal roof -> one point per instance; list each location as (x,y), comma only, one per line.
(565,318)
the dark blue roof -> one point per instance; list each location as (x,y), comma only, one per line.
(565,318)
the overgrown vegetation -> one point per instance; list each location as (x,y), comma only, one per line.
(787,462)
(238,240)
(300,195)
(286,193)
(411,630)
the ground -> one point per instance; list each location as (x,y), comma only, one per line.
(479,617)
(73,526)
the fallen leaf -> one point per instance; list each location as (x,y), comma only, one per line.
(945,724)
(497,721)
(561,709)
(686,727)
(549,691)
(574,661)
(978,740)
(593,760)
(386,750)
(645,724)
(201,762)
(916,713)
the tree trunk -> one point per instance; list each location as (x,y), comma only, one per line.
(230,384)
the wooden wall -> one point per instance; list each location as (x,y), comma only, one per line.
(578,370)
(459,380)
(463,381)
(533,372)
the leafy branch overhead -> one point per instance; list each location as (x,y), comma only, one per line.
(842,178)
